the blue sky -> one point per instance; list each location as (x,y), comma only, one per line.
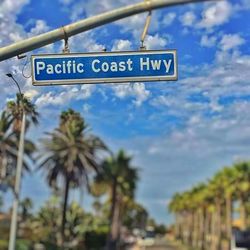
(179,132)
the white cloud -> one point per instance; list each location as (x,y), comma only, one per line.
(231,41)
(66,2)
(156,42)
(242,5)
(168,19)
(136,90)
(141,93)
(39,28)
(121,45)
(83,8)
(188,19)
(135,24)
(86,108)
(65,97)
(84,42)
(207,41)
(216,14)
(12,6)
(228,75)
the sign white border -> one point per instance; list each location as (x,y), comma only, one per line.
(173,77)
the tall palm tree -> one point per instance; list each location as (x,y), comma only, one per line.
(7,144)
(16,108)
(242,179)
(10,122)
(118,179)
(69,154)
(10,127)
(228,182)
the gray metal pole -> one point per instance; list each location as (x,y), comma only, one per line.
(14,218)
(39,41)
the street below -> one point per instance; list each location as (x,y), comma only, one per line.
(160,244)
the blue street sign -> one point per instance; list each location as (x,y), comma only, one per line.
(104,67)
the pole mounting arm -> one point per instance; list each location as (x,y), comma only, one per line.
(66,41)
(39,41)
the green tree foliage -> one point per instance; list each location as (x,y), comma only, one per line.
(203,215)
(26,206)
(70,153)
(16,108)
(10,126)
(118,179)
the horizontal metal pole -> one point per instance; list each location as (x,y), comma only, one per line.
(39,41)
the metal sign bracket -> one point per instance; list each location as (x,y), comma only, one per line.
(145,30)
(66,44)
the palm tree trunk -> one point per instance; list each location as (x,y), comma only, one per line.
(112,239)
(218,226)
(194,230)
(229,219)
(65,203)
(190,228)
(201,237)
(243,214)
(177,226)
(205,229)
(213,230)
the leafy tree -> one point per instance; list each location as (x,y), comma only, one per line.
(69,154)
(16,108)
(7,144)
(26,205)
(119,180)
(10,127)
(135,216)
(204,213)
(242,179)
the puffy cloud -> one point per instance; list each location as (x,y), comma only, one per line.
(141,93)
(156,42)
(65,97)
(207,41)
(188,19)
(121,45)
(84,42)
(231,41)
(86,108)
(66,2)
(39,28)
(136,90)
(81,8)
(10,31)
(216,14)
(168,19)
(12,6)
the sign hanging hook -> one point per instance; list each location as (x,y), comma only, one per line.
(145,30)
(66,39)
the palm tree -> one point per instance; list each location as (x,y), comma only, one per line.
(228,182)
(118,179)
(135,215)
(10,122)
(242,179)
(16,108)
(70,153)
(7,144)
(26,205)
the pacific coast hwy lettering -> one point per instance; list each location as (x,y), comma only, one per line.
(104,67)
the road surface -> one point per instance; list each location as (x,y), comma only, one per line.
(159,245)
